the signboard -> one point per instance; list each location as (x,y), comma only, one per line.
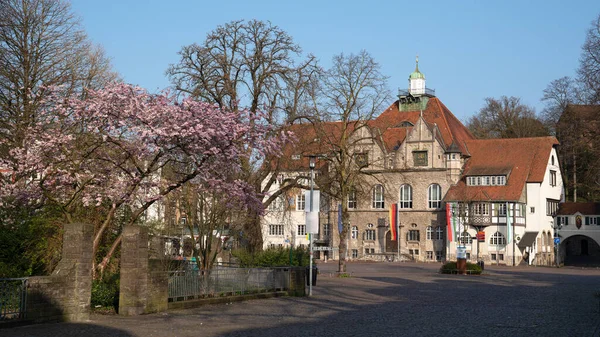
(312,222)
(461,252)
(556,241)
(320,248)
(481,236)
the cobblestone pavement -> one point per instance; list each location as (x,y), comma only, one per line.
(383,299)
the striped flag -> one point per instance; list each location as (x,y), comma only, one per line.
(450,221)
(394,221)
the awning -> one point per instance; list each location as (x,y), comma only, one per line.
(527,239)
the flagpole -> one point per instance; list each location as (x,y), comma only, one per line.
(398,238)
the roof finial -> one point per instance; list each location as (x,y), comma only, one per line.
(417,68)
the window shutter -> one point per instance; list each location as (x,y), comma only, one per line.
(587,220)
(598,220)
(566,221)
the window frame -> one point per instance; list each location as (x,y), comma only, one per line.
(378,200)
(433,191)
(406,197)
(300,200)
(497,239)
(413,235)
(352,199)
(354,232)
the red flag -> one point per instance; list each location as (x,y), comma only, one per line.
(394,221)
(449,220)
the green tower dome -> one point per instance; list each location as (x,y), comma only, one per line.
(416,74)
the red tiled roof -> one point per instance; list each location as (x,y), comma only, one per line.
(585,208)
(525,158)
(436,113)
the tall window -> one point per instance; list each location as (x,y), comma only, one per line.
(501,209)
(370,235)
(551,206)
(378,197)
(354,232)
(481,209)
(405,197)
(429,232)
(552,177)
(300,202)
(301,230)
(413,235)
(439,233)
(420,158)
(352,199)
(326,229)
(498,239)
(435,196)
(276,230)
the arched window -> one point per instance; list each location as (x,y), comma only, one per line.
(435,196)
(378,201)
(354,232)
(405,197)
(498,239)
(465,238)
(429,232)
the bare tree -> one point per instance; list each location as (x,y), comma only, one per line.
(42,45)
(589,63)
(255,65)
(557,95)
(353,91)
(506,117)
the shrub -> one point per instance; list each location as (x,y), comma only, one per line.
(451,268)
(273,257)
(105,292)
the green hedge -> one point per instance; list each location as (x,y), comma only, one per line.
(451,268)
(105,292)
(273,257)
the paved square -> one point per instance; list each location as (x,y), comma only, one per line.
(384,299)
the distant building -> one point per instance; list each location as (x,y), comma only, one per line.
(578,231)
(421,157)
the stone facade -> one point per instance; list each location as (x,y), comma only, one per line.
(144,281)
(66,294)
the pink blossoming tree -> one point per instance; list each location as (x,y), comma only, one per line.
(112,148)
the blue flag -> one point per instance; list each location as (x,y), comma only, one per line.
(340,225)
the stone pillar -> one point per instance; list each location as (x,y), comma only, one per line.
(297,281)
(144,282)
(66,294)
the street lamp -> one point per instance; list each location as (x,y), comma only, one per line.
(311,164)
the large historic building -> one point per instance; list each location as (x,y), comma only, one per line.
(451,190)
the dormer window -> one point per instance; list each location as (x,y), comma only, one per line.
(406,124)
(486,180)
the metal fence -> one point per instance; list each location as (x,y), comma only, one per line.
(13,296)
(225,281)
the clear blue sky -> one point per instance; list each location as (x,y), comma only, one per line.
(468,50)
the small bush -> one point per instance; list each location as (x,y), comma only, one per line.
(451,268)
(277,257)
(105,292)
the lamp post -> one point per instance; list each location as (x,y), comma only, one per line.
(311,164)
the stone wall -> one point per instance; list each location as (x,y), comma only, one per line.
(66,294)
(144,281)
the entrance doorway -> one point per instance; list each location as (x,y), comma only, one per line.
(390,246)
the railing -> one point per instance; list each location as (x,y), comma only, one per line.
(224,281)
(13,296)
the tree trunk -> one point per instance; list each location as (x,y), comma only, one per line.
(253,232)
(343,246)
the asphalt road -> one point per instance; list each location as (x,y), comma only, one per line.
(383,299)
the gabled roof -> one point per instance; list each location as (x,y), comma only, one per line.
(525,158)
(435,114)
(585,208)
